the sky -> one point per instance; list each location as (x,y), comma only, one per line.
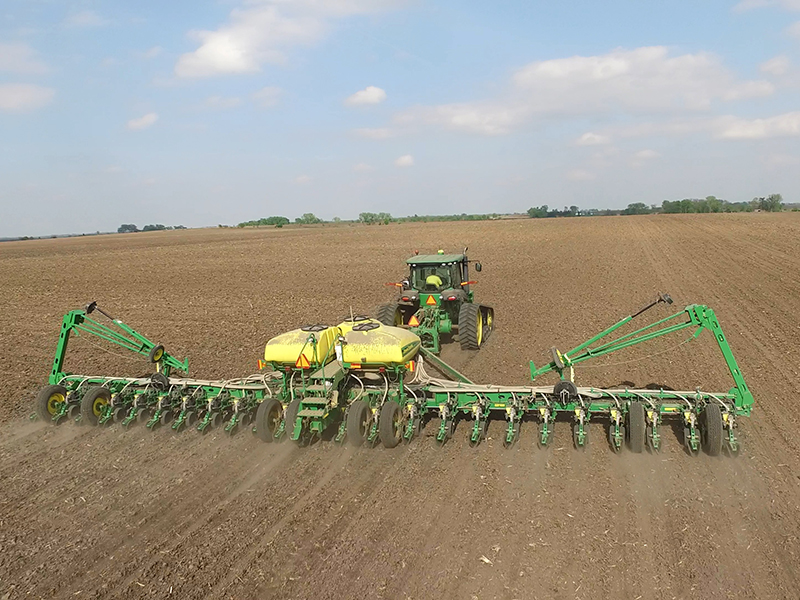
(214,112)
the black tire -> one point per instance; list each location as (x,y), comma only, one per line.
(711,430)
(92,403)
(358,418)
(390,314)
(635,428)
(391,424)
(470,326)
(156,353)
(268,419)
(47,401)
(291,415)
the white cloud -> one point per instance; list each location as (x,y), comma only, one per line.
(404,161)
(17,57)
(484,118)
(751,4)
(778,65)
(794,29)
(267,97)
(379,133)
(302,180)
(153,52)
(643,156)
(580,175)
(85,18)
(114,169)
(369,95)
(785,125)
(261,30)
(222,102)
(646,154)
(143,122)
(645,80)
(23,97)
(593,139)
(362,168)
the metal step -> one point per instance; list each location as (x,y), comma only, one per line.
(311,412)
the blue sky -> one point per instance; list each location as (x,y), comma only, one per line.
(199,113)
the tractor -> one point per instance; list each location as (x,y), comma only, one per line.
(435,299)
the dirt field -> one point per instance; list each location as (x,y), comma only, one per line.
(108,513)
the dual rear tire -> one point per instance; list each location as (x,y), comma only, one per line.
(475,323)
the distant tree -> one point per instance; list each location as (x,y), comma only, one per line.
(127,228)
(308,219)
(772,203)
(337,220)
(637,208)
(158,227)
(538,212)
(179,227)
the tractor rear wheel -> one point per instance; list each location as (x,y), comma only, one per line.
(390,314)
(711,430)
(470,326)
(268,419)
(636,427)
(48,400)
(93,403)
(358,422)
(391,424)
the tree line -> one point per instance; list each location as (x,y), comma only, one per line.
(709,204)
(131,228)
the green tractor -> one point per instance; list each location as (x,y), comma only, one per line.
(436,299)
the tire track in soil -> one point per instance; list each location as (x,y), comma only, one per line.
(178,516)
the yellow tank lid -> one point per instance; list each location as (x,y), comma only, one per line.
(370,343)
(285,349)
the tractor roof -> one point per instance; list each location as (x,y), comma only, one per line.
(434,259)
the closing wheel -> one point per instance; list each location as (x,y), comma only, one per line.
(612,440)
(359,419)
(711,430)
(291,416)
(49,400)
(94,403)
(268,419)
(635,427)
(576,438)
(390,314)
(470,326)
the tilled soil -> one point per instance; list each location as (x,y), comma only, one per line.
(113,513)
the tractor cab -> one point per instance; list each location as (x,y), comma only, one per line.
(438,272)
